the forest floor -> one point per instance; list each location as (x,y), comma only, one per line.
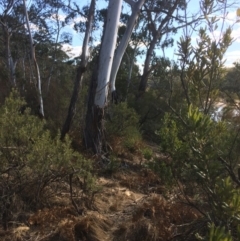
(131,203)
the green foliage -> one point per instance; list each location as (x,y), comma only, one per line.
(204,158)
(147,153)
(112,165)
(219,234)
(202,67)
(163,170)
(123,122)
(30,158)
(121,118)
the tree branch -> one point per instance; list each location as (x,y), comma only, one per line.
(230,171)
(130,2)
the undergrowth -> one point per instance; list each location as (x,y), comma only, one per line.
(31,160)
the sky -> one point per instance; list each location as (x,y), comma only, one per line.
(232,54)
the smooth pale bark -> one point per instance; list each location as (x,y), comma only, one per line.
(32,48)
(98,91)
(80,71)
(107,52)
(136,7)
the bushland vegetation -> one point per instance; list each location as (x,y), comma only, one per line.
(106,150)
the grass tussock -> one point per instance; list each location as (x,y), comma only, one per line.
(157,219)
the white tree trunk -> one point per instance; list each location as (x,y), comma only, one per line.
(136,7)
(39,83)
(107,52)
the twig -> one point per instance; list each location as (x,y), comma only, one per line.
(71,195)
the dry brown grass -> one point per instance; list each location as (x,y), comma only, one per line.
(129,207)
(155,219)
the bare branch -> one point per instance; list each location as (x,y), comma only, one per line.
(130,2)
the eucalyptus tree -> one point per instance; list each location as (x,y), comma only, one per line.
(121,48)
(94,132)
(162,18)
(33,57)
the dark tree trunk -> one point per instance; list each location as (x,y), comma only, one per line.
(94,131)
(74,98)
(143,83)
(98,91)
(80,72)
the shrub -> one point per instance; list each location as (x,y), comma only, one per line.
(30,158)
(204,159)
(124,122)
(147,153)
(162,170)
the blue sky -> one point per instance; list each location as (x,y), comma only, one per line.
(232,55)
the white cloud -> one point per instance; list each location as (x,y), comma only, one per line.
(60,17)
(231,17)
(80,19)
(33,27)
(231,57)
(236,34)
(72,51)
(76,20)
(140,66)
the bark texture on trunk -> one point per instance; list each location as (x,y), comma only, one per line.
(94,137)
(72,105)
(94,130)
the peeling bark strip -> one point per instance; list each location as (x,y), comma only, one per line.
(33,56)
(80,72)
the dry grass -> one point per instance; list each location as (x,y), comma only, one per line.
(155,219)
(129,207)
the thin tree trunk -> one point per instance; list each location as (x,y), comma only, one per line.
(146,70)
(131,64)
(11,65)
(157,34)
(54,54)
(39,83)
(80,71)
(94,130)
(7,33)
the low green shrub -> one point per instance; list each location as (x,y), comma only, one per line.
(162,170)
(205,157)
(147,153)
(124,122)
(30,158)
